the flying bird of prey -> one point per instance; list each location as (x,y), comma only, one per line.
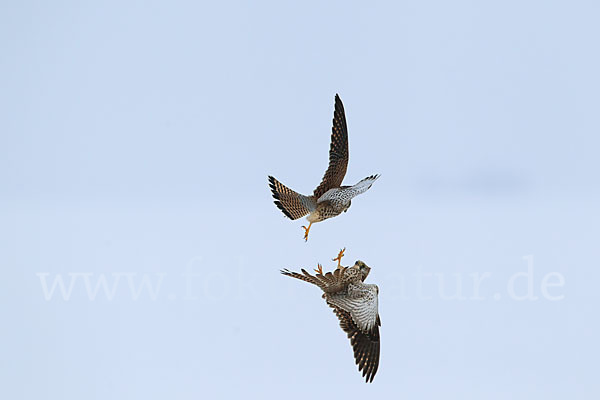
(355,304)
(329,199)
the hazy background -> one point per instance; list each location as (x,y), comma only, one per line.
(135,143)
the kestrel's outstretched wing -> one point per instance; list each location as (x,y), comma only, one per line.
(363,185)
(366,345)
(360,300)
(346,193)
(292,204)
(329,283)
(357,310)
(338,151)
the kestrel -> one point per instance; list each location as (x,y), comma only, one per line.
(329,199)
(355,304)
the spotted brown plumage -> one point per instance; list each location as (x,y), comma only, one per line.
(355,303)
(338,151)
(330,198)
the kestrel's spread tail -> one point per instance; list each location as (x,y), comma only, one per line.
(292,204)
(330,198)
(356,306)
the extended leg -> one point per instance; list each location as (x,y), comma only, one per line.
(339,257)
(306,231)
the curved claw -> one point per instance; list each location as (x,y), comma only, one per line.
(339,257)
(319,269)
(306,230)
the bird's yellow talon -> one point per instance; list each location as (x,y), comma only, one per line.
(339,257)
(319,269)
(306,230)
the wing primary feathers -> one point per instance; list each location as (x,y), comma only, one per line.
(338,151)
(329,283)
(366,345)
(306,277)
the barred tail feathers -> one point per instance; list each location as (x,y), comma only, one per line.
(292,204)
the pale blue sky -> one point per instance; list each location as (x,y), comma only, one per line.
(136,138)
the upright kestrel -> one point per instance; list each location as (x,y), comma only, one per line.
(355,304)
(329,199)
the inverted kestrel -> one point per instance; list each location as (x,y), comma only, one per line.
(329,199)
(355,304)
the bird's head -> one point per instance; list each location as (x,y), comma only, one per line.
(363,268)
